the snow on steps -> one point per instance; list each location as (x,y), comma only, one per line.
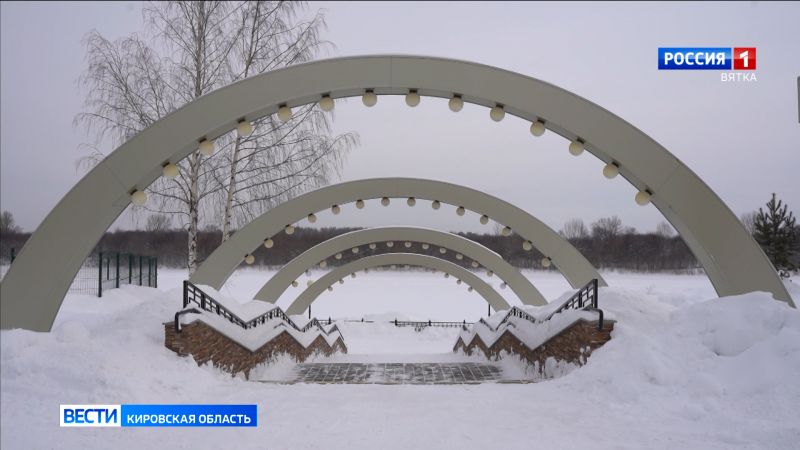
(209,337)
(567,338)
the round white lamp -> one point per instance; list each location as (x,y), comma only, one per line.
(412,99)
(326,103)
(576,148)
(284,113)
(497,113)
(369,99)
(138,198)
(537,128)
(611,170)
(456,103)
(170,170)
(244,129)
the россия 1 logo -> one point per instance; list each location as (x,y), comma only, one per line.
(739,61)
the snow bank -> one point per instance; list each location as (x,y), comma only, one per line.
(731,347)
(683,370)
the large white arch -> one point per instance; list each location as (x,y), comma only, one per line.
(216,269)
(278,283)
(732,260)
(307,297)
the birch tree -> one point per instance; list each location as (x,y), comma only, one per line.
(189,50)
(279,160)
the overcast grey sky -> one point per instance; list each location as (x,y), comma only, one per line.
(740,138)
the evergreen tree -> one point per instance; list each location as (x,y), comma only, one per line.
(775,232)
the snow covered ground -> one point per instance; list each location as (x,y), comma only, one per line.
(684,370)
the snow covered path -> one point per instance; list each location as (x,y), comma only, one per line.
(684,370)
(397,373)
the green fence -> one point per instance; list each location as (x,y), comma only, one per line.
(105,270)
(110,270)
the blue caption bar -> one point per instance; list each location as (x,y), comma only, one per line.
(694,58)
(189,415)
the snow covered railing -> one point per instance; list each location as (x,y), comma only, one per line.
(585,298)
(193,294)
(516,312)
(177,324)
(429,323)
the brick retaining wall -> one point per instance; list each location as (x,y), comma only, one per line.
(205,344)
(574,345)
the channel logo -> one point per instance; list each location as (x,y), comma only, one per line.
(90,415)
(159,415)
(706,58)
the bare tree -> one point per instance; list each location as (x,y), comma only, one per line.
(574,229)
(607,227)
(158,222)
(664,229)
(749,221)
(279,160)
(196,47)
(8,224)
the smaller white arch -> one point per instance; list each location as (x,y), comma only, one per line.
(519,284)
(219,265)
(310,294)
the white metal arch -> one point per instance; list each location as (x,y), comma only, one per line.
(216,269)
(307,297)
(522,287)
(732,260)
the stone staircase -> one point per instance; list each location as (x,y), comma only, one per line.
(566,335)
(210,332)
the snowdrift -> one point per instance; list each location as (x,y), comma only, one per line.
(680,371)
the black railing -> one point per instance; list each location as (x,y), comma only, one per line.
(109,270)
(429,323)
(585,298)
(182,312)
(516,312)
(193,294)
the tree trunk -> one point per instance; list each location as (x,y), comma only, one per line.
(194,165)
(228,213)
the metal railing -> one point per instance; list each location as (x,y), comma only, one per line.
(585,298)
(429,323)
(115,269)
(193,294)
(102,271)
(516,312)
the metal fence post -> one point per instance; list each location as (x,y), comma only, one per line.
(100,274)
(149,271)
(140,270)
(130,268)
(117,270)
(155,263)
(185,293)
(13,254)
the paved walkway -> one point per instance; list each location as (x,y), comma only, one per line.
(397,373)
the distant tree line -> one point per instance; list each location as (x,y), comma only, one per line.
(628,251)
(606,243)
